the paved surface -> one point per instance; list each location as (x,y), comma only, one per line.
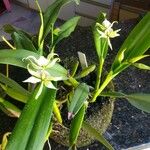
(20,17)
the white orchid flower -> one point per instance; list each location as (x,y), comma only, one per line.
(42,62)
(106,31)
(41,76)
(37,69)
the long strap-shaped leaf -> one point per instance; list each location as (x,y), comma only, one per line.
(137,42)
(66,29)
(79,97)
(15,58)
(32,126)
(93,132)
(51,14)
(138,100)
(21,41)
(12,84)
(9,108)
(76,125)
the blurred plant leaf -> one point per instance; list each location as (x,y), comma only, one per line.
(101,44)
(12,84)
(22,42)
(75,66)
(16,57)
(10,29)
(140,101)
(51,15)
(137,43)
(9,108)
(76,125)
(66,29)
(34,121)
(85,72)
(57,113)
(58,71)
(41,30)
(141,66)
(113,94)
(78,99)
(94,133)
(16,94)
(4,141)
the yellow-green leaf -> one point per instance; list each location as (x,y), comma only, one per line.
(76,125)
(94,133)
(79,97)
(57,113)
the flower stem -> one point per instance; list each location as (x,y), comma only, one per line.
(102,87)
(99,74)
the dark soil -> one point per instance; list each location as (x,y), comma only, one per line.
(129,126)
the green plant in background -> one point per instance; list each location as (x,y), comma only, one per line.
(42,108)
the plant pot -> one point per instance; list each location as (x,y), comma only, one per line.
(99,118)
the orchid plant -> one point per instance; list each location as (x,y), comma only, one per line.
(42,109)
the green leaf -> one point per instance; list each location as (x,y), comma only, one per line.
(41,30)
(4,141)
(94,133)
(10,29)
(9,108)
(113,94)
(101,44)
(78,99)
(74,68)
(135,59)
(141,66)
(51,15)
(137,43)
(66,29)
(42,122)
(140,101)
(16,94)
(15,57)
(119,58)
(85,72)
(21,41)
(58,71)
(76,125)
(34,121)
(14,85)
(57,113)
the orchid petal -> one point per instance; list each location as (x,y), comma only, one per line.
(32,80)
(49,84)
(33,73)
(52,63)
(42,61)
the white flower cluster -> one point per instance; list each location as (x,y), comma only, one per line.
(106,31)
(37,68)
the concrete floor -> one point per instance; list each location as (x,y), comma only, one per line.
(20,17)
